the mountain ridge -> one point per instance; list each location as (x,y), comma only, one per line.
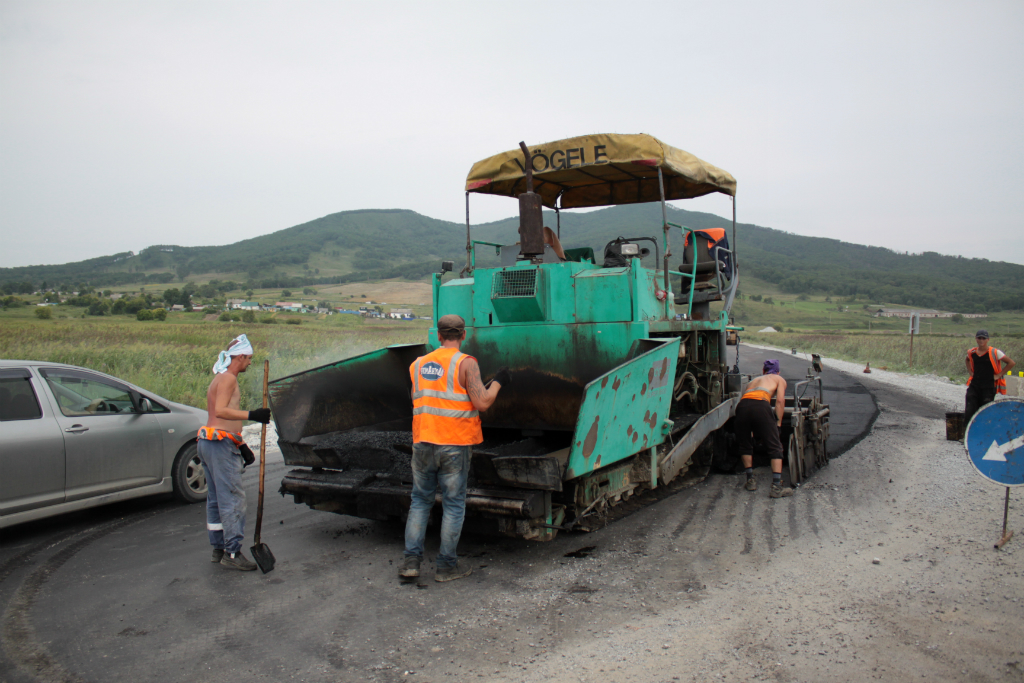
(385,243)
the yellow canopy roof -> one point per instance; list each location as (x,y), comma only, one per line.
(600,170)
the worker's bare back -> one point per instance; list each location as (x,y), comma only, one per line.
(773,384)
(223,393)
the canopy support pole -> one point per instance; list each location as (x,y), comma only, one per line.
(664,225)
(558,219)
(469,243)
(735,261)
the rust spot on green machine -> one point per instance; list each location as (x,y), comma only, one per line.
(590,442)
(650,375)
(651,419)
(604,382)
(643,389)
(636,435)
(617,384)
(629,430)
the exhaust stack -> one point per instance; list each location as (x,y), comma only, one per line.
(531,215)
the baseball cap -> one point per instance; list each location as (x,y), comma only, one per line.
(981,334)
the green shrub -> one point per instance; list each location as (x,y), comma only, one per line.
(292,321)
(99,308)
(225,317)
(269,320)
(44,313)
(777,328)
(248,317)
(144,314)
(160,314)
(235,318)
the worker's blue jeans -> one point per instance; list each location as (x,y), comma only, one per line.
(225,497)
(433,467)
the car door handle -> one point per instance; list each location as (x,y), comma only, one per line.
(75,429)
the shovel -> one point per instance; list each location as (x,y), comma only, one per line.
(260,551)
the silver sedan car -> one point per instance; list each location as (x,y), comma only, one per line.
(72,438)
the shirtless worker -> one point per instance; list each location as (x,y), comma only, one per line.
(987,366)
(447,395)
(754,418)
(219,443)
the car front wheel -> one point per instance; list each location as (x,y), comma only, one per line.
(189,475)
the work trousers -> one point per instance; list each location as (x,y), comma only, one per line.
(976,398)
(225,497)
(437,467)
(755,419)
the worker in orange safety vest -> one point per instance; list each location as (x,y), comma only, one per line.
(987,366)
(447,397)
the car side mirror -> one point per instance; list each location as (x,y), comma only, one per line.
(145,406)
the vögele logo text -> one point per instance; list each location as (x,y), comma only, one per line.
(431,370)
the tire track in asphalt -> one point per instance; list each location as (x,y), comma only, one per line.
(19,638)
(14,563)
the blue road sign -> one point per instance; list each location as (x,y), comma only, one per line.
(995,441)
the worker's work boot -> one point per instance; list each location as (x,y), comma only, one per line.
(459,571)
(780,491)
(410,568)
(217,554)
(238,561)
(751,484)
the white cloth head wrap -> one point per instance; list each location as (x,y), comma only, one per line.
(239,346)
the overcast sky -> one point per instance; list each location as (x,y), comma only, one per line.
(126,124)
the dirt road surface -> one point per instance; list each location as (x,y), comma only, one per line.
(881,567)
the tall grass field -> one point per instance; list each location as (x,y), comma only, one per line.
(933,354)
(176,360)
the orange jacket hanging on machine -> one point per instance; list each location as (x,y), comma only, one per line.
(442,412)
(996,367)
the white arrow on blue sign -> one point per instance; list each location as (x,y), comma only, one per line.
(995,441)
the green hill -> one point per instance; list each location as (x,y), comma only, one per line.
(380,243)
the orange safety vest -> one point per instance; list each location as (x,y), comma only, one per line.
(714,235)
(214,434)
(996,366)
(758,395)
(442,412)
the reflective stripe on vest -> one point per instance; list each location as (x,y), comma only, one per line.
(997,367)
(443,412)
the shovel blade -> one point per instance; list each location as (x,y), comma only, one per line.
(263,557)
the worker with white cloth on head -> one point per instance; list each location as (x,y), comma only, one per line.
(220,449)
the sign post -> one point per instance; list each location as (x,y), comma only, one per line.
(915,328)
(995,446)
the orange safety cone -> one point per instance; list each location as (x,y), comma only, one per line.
(867,368)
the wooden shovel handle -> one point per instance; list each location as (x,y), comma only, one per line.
(263,451)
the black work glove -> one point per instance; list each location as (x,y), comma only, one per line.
(248,457)
(503,377)
(260,415)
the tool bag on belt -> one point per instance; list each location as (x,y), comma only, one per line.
(442,412)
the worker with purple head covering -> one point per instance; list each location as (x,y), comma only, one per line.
(755,418)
